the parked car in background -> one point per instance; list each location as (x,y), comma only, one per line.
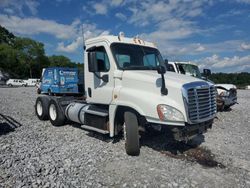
(226,93)
(32,81)
(16,82)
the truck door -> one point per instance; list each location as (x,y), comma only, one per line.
(98,91)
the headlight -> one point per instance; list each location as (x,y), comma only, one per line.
(166,112)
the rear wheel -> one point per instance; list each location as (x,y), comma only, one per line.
(49,92)
(38,91)
(56,115)
(41,107)
(131,134)
(10,85)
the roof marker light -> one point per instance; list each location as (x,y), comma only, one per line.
(121,35)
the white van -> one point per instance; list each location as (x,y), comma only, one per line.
(32,81)
(16,82)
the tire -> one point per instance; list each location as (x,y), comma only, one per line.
(38,91)
(56,115)
(131,134)
(41,107)
(10,85)
(49,92)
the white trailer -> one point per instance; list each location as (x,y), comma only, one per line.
(127,89)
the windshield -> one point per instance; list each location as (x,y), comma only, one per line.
(136,57)
(189,69)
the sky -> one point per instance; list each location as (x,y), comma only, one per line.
(214,34)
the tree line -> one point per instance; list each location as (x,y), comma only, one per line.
(25,58)
(241,80)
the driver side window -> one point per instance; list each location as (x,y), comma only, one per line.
(103,64)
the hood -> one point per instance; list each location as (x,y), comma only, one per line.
(171,79)
(143,88)
(226,86)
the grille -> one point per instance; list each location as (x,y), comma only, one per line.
(201,103)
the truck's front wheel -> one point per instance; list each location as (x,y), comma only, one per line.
(41,107)
(131,134)
(56,115)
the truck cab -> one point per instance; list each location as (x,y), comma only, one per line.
(128,90)
(227,93)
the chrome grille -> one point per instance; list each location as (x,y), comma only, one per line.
(201,103)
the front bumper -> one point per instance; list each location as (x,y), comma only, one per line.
(189,131)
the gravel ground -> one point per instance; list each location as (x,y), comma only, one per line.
(33,153)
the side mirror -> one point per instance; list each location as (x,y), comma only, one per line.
(206,72)
(92,62)
(161,69)
(105,78)
(166,62)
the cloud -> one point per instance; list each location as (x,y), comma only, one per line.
(150,12)
(243,1)
(176,49)
(169,23)
(100,8)
(226,64)
(245,46)
(200,48)
(17,6)
(9,10)
(116,2)
(71,47)
(32,26)
(121,16)
(90,31)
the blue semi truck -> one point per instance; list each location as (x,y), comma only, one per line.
(60,80)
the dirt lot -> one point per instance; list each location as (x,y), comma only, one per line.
(33,153)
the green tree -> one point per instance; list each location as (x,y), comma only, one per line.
(8,59)
(30,52)
(6,37)
(61,61)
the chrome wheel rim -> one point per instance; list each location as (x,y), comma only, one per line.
(52,112)
(39,108)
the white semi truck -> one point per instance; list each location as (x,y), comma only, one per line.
(227,93)
(128,90)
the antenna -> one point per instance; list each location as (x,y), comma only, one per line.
(83,40)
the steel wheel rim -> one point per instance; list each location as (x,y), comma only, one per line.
(52,112)
(39,108)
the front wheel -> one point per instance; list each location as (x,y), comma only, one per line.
(56,115)
(131,134)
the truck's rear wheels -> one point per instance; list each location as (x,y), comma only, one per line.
(41,107)
(38,91)
(56,115)
(131,134)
